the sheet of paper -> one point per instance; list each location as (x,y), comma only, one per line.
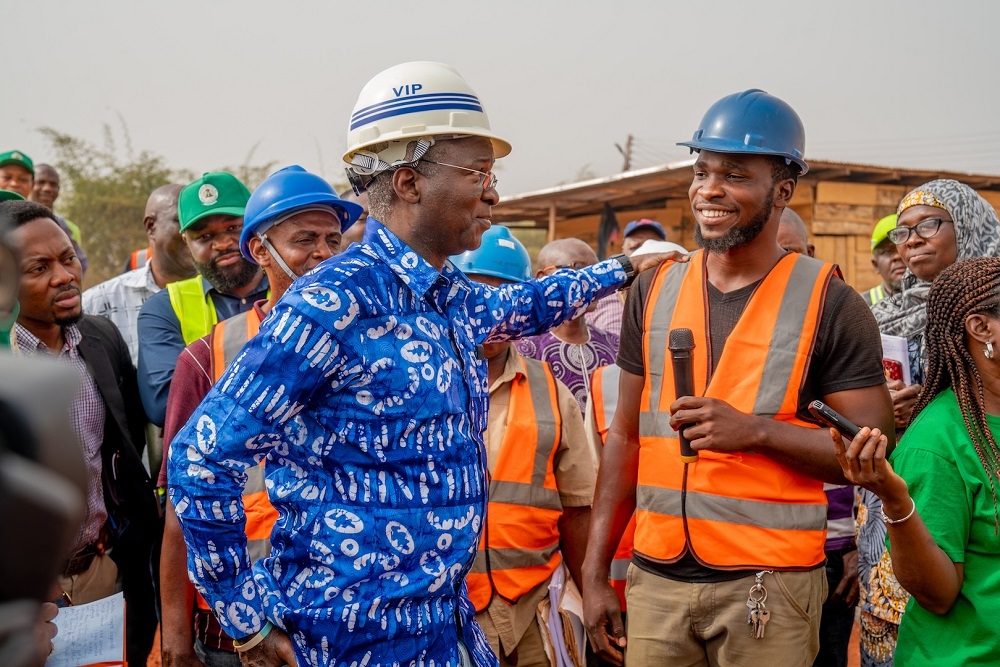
(896,358)
(90,634)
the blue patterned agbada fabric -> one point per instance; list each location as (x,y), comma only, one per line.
(364,393)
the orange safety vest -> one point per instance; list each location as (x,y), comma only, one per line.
(138,258)
(604,393)
(519,548)
(228,338)
(733,510)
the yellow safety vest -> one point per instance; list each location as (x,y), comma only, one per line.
(193,307)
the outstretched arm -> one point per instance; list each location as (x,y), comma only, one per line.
(535,306)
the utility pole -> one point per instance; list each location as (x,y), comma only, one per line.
(626,152)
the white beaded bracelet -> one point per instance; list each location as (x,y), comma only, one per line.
(895,521)
(253,641)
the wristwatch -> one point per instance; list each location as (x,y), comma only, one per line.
(626,264)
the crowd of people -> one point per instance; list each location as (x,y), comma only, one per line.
(368,430)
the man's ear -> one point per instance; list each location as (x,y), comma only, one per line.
(406,185)
(259,252)
(783,192)
(811,250)
(148,223)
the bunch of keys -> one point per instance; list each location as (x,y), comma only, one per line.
(757,613)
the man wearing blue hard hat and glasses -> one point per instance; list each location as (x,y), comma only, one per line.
(728,565)
(367,394)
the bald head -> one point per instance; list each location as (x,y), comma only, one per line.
(45,189)
(792,234)
(171,256)
(566,253)
(162,198)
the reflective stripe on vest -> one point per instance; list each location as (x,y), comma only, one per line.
(519,548)
(604,388)
(876,294)
(738,510)
(139,258)
(228,338)
(193,307)
(260,514)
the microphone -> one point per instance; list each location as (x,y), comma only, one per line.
(681,345)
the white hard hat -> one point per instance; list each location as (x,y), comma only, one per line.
(652,246)
(410,102)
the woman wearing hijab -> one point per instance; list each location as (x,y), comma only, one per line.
(941,500)
(939,223)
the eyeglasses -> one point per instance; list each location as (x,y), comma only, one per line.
(925,229)
(490,179)
(576,266)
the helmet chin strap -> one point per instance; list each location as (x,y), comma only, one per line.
(277,256)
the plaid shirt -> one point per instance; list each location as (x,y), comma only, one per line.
(87,413)
(120,299)
(608,314)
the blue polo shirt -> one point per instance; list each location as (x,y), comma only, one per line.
(161,341)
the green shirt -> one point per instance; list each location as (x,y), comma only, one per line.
(952,492)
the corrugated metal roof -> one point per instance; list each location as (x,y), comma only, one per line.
(652,186)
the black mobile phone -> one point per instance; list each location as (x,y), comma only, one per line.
(831,417)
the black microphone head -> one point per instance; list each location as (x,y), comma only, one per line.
(681,339)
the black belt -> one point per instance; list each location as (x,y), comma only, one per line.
(81,560)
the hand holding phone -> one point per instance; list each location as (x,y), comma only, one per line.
(831,417)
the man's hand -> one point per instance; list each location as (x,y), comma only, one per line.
(642,262)
(903,399)
(710,423)
(276,650)
(847,590)
(602,615)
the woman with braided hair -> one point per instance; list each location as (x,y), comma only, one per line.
(939,496)
(938,223)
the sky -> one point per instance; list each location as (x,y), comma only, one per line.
(212,83)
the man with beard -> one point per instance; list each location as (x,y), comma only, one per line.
(745,521)
(211,218)
(366,393)
(114,539)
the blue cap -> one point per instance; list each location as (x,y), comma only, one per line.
(645,223)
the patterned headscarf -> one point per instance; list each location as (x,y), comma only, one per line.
(977,234)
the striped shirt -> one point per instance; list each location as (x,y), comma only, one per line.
(87,414)
(840,532)
(120,299)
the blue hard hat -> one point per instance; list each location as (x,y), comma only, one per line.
(499,255)
(286,192)
(754,123)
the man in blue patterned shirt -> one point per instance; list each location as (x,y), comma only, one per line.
(366,394)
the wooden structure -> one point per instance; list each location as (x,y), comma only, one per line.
(839,202)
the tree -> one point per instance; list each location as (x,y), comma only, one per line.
(106,196)
(104,191)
